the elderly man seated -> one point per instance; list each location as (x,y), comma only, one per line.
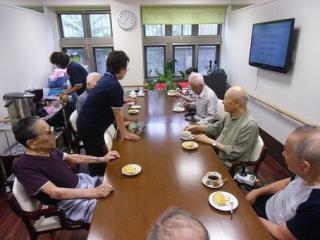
(290,208)
(176,224)
(92,80)
(236,133)
(45,175)
(205,101)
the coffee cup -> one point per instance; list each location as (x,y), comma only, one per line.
(213,178)
(186,135)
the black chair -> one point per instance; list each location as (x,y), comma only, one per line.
(218,83)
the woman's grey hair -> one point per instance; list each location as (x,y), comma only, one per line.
(307,148)
(173,220)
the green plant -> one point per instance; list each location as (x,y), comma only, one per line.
(151,84)
(168,75)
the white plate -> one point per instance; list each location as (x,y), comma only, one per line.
(171,94)
(185,145)
(178,109)
(204,181)
(137,169)
(226,207)
(135,107)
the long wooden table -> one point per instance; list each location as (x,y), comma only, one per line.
(171,176)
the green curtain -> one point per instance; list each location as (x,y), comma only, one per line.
(183,14)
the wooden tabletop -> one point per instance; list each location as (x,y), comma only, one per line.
(171,176)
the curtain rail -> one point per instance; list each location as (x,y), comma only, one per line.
(277,109)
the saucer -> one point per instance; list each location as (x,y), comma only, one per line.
(204,181)
(190,145)
(131,169)
(135,107)
(133,111)
(178,109)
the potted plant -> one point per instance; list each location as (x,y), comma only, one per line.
(168,76)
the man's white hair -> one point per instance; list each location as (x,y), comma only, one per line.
(94,76)
(196,79)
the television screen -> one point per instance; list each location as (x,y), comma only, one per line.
(271,45)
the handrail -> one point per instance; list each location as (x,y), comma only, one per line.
(277,109)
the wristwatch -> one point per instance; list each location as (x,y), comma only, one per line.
(214,144)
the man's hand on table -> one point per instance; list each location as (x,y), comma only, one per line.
(112,155)
(131,136)
(103,190)
(204,139)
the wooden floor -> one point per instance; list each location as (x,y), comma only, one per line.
(11,227)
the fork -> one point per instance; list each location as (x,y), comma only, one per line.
(231,209)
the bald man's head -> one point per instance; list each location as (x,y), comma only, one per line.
(176,224)
(238,94)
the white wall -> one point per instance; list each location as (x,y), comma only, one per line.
(129,41)
(25,46)
(297,91)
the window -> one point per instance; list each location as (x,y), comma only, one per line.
(100,57)
(181,30)
(208,29)
(72,25)
(154,30)
(184,58)
(86,36)
(76,55)
(205,55)
(100,25)
(191,45)
(155,57)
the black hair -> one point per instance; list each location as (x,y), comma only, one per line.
(116,61)
(190,70)
(60,59)
(24,129)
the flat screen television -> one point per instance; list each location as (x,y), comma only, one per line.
(271,45)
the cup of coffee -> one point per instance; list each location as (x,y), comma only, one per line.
(213,178)
(186,135)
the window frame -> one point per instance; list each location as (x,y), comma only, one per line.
(217,59)
(60,25)
(73,47)
(145,59)
(94,55)
(85,16)
(89,25)
(88,42)
(174,55)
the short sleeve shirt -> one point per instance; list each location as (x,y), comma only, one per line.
(77,75)
(96,114)
(297,205)
(33,172)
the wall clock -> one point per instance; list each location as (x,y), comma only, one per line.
(126,19)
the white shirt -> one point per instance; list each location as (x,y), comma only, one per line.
(283,205)
(206,105)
